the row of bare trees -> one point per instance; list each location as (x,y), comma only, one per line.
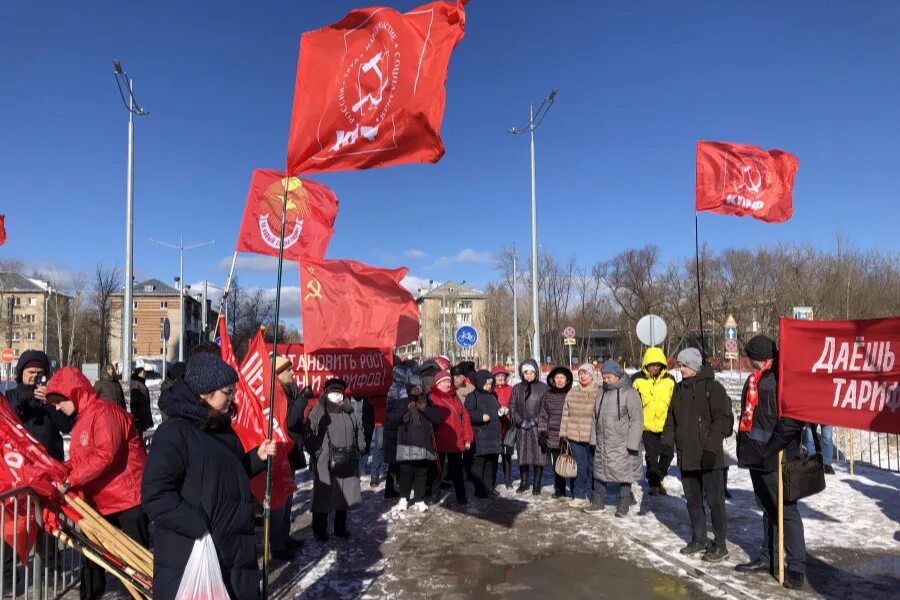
(756,287)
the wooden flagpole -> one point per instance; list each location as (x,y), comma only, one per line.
(780,518)
(852,454)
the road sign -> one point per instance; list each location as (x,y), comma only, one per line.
(731,333)
(731,347)
(569,332)
(167,329)
(730,322)
(651,330)
(569,341)
(8,355)
(466,336)
(804,313)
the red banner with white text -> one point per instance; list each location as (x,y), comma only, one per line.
(841,373)
(367,371)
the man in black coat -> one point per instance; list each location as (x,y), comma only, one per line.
(29,399)
(698,421)
(140,401)
(484,409)
(761,434)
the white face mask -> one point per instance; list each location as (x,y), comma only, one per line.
(335,397)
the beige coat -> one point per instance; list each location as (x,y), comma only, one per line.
(578,412)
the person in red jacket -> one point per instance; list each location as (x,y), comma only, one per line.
(106,460)
(452,437)
(503,391)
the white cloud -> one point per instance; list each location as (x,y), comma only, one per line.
(467,256)
(414,283)
(415,254)
(254,262)
(58,275)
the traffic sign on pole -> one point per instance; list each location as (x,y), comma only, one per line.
(167,329)
(466,336)
(569,332)
(8,355)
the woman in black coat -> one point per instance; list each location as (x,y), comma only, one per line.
(484,412)
(197,481)
(140,402)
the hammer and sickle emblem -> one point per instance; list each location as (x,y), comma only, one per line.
(315,290)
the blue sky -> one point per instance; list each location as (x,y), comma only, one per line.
(639,84)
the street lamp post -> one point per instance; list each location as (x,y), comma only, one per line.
(127,320)
(534,120)
(181,248)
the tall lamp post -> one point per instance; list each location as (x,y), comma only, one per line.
(181,248)
(128,303)
(534,120)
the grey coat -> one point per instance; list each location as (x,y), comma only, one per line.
(525,411)
(618,427)
(332,425)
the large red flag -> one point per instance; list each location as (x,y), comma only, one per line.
(248,419)
(740,179)
(309,221)
(2,229)
(370,89)
(25,463)
(843,373)
(257,371)
(346,304)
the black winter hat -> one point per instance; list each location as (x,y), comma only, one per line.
(457,370)
(176,371)
(760,347)
(30,356)
(334,385)
(207,372)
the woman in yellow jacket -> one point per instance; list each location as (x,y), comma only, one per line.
(656,387)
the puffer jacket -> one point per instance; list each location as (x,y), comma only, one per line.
(617,432)
(455,428)
(415,433)
(197,480)
(656,392)
(550,418)
(578,412)
(107,456)
(699,420)
(478,404)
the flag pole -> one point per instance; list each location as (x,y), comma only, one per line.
(699,301)
(780,518)
(267,508)
(227,288)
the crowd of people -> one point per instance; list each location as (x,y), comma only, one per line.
(440,426)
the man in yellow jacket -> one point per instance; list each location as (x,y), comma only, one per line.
(656,387)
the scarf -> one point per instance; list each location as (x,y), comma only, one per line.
(752,401)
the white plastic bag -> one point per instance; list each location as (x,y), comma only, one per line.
(202,579)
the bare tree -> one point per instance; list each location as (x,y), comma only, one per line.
(107,280)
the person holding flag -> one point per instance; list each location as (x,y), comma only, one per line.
(761,434)
(197,481)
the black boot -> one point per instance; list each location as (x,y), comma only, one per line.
(523,480)
(320,526)
(507,471)
(536,485)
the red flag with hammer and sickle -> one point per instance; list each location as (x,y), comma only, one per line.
(347,304)
(740,179)
(370,89)
(309,218)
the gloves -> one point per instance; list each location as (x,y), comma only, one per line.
(324,421)
(528,424)
(633,452)
(307,393)
(707,460)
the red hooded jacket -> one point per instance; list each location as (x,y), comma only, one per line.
(503,393)
(106,456)
(455,428)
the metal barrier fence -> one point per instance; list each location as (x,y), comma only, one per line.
(51,569)
(879,450)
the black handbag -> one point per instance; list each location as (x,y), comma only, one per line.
(343,462)
(804,475)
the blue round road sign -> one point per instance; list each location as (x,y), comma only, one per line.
(466,336)
(167,329)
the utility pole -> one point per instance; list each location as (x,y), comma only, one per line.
(181,248)
(128,301)
(534,120)
(515,291)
